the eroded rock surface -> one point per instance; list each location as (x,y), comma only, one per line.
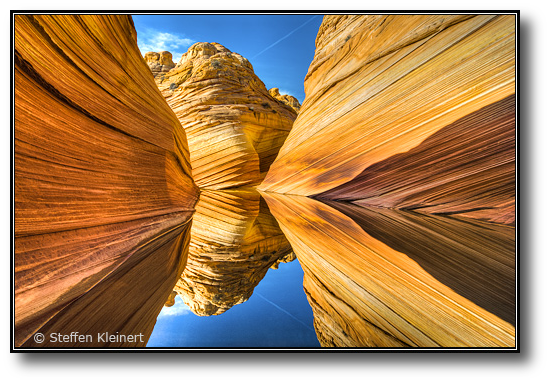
(285,99)
(101,165)
(466,168)
(409,112)
(235,128)
(159,62)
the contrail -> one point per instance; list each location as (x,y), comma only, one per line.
(282,38)
(283,310)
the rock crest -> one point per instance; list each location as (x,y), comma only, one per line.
(285,99)
(159,63)
(234,126)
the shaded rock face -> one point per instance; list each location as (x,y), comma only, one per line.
(99,157)
(468,168)
(159,63)
(234,126)
(409,112)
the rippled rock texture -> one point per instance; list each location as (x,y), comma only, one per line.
(384,278)
(102,177)
(406,141)
(234,126)
(234,241)
(409,112)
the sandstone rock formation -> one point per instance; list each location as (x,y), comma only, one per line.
(234,241)
(234,127)
(391,279)
(468,168)
(406,140)
(159,63)
(409,112)
(285,99)
(101,165)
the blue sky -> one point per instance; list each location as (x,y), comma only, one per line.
(276,315)
(280,47)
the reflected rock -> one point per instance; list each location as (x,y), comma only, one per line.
(401,279)
(126,303)
(234,241)
(234,126)
(101,163)
(285,259)
(171,299)
(389,94)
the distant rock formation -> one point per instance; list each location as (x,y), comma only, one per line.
(409,112)
(159,63)
(101,171)
(234,126)
(285,99)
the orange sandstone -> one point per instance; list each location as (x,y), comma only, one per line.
(234,126)
(409,112)
(101,162)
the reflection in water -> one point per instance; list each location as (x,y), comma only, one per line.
(474,258)
(380,283)
(373,278)
(234,241)
(126,302)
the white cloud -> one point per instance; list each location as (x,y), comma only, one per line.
(179,308)
(151,40)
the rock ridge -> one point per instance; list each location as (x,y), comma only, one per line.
(380,86)
(159,62)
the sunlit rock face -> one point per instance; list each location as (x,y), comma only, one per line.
(159,62)
(234,126)
(101,168)
(285,99)
(234,241)
(466,168)
(409,112)
(384,278)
